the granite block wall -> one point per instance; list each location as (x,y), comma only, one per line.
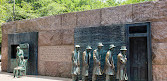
(56,34)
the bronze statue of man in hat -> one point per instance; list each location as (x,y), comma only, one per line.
(75,63)
(86,59)
(121,65)
(109,64)
(96,60)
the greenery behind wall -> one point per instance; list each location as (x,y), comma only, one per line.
(29,9)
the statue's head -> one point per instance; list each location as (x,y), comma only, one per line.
(123,49)
(112,47)
(88,48)
(18,47)
(100,45)
(22,57)
(77,47)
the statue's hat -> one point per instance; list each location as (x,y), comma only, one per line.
(100,44)
(77,46)
(123,48)
(112,46)
(18,47)
(88,47)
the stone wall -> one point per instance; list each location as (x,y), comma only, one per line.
(56,35)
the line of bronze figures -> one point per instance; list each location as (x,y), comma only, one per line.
(109,68)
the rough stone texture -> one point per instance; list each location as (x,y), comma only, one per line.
(159,51)
(149,11)
(47,38)
(117,15)
(27,26)
(159,73)
(4,52)
(69,20)
(88,18)
(49,23)
(55,60)
(159,31)
(56,37)
(68,37)
(9,28)
(58,69)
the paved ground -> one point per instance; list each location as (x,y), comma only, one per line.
(4,76)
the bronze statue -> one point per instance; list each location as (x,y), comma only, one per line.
(86,60)
(96,60)
(19,54)
(121,65)
(21,63)
(75,63)
(109,64)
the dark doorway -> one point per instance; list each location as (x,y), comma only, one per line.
(138,58)
(139,66)
(13,51)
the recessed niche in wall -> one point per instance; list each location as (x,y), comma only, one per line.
(13,51)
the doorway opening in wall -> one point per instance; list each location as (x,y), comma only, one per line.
(13,51)
(139,65)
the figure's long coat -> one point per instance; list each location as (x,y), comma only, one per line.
(121,67)
(75,63)
(109,64)
(96,60)
(86,59)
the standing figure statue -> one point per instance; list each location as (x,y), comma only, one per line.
(86,60)
(96,60)
(121,65)
(75,63)
(19,54)
(109,64)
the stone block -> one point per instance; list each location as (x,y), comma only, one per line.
(9,28)
(55,53)
(64,69)
(159,51)
(88,18)
(68,37)
(49,22)
(149,11)
(41,67)
(4,59)
(159,73)
(27,26)
(117,15)
(4,40)
(69,20)
(158,31)
(50,38)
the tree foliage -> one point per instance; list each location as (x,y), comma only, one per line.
(28,9)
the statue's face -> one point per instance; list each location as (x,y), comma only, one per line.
(88,50)
(124,51)
(111,49)
(77,48)
(99,47)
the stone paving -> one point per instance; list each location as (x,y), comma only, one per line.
(4,76)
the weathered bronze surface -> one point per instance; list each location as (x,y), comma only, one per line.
(21,64)
(121,65)
(96,59)
(109,68)
(85,60)
(75,63)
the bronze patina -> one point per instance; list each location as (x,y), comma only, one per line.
(121,65)
(96,59)
(109,64)
(86,60)
(75,63)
